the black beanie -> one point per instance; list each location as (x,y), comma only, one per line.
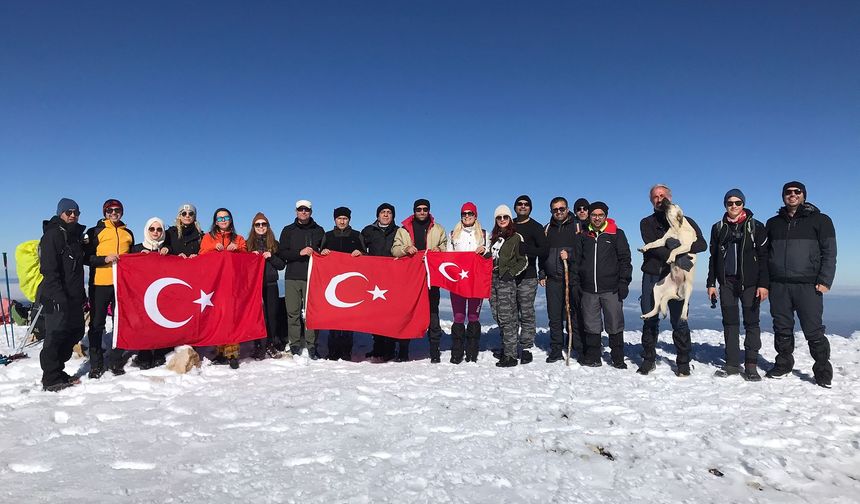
(421,202)
(66,204)
(342,211)
(796,184)
(581,202)
(737,193)
(524,197)
(598,204)
(385,206)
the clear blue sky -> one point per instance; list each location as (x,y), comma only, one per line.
(253,105)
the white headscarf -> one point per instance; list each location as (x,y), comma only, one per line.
(148,242)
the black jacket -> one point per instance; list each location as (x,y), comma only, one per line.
(801,249)
(274,263)
(654,227)
(745,247)
(138,248)
(188,243)
(379,240)
(293,239)
(559,236)
(347,241)
(61,262)
(603,260)
(534,246)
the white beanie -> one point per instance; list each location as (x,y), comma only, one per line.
(502,210)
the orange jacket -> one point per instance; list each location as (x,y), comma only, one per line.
(208,243)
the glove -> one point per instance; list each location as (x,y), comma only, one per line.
(684,262)
(623,291)
(672,243)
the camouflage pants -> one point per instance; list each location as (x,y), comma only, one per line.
(503,301)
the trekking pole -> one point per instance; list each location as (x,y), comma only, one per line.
(567,310)
(3,318)
(30,329)
(9,298)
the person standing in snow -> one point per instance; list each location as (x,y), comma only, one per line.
(603,274)
(467,236)
(349,241)
(379,238)
(535,247)
(802,266)
(61,293)
(738,261)
(561,233)
(261,241)
(419,232)
(153,243)
(506,249)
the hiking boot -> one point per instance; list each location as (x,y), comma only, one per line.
(295,350)
(683,370)
(507,362)
(117,371)
(822,382)
(96,373)
(525,357)
(312,354)
(273,353)
(590,363)
(219,360)
(259,353)
(554,356)
(751,373)
(776,372)
(727,371)
(646,367)
(619,365)
(234,363)
(56,387)
(435,356)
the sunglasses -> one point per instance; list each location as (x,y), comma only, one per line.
(503,218)
(523,203)
(598,216)
(186,214)
(72,213)
(226,218)
(560,209)
(582,209)
(303,209)
(467,214)
(734,203)
(261,224)
(113,210)
(789,192)
(156,230)
(422,209)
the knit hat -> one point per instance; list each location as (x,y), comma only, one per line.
(469,207)
(734,193)
(524,197)
(581,202)
(66,204)
(421,202)
(260,216)
(502,210)
(111,203)
(187,207)
(303,203)
(796,184)
(598,205)
(385,206)
(342,211)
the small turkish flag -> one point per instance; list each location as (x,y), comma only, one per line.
(166,301)
(376,295)
(466,274)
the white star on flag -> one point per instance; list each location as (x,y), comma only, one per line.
(464,274)
(378,293)
(205,300)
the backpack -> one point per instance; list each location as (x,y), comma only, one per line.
(27,263)
(749,226)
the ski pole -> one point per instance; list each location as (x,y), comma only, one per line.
(9,297)
(567,306)
(3,318)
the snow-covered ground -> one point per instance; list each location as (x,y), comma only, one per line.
(306,432)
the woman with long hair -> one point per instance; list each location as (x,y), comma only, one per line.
(508,262)
(222,237)
(467,236)
(183,238)
(261,240)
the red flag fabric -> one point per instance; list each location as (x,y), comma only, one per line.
(464,273)
(210,299)
(377,295)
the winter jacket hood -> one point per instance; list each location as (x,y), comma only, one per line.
(405,237)
(602,259)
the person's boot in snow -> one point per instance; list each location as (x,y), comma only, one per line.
(727,370)
(435,357)
(525,357)
(458,336)
(507,361)
(751,372)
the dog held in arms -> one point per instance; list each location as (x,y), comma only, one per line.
(678,284)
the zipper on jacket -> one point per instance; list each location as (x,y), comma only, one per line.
(595,265)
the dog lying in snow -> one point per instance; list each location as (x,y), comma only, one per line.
(678,284)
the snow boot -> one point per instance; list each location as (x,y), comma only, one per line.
(507,361)
(435,357)
(259,352)
(403,351)
(616,350)
(822,370)
(750,372)
(591,351)
(234,363)
(458,336)
(473,341)
(727,370)
(646,367)
(525,357)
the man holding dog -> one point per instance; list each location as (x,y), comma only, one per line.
(654,268)
(802,266)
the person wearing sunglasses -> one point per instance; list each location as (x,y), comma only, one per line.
(379,238)
(738,262)
(535,248)
(261,241)
(561,233)
(105,243)
(184,237)
(153,243)
(61,293)
(420,232)
(221,238)
(582,212)
(508,262)
(467,236)
(801,266)
(349,241)
(297,243)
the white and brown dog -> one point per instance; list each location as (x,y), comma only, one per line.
(678,284)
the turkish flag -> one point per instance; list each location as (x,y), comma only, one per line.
(464,273)
(166,301)
(376,295)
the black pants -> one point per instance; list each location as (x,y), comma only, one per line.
(271,304)
(434,332)
(730,293)
(651,326)
(786,300)
(556,311)
(63,330)
(340,345)
(383,346)
(100,298)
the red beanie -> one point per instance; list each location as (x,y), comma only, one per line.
(469,207)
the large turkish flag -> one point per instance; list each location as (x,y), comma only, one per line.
(464,273)
(210,299)
(377,295)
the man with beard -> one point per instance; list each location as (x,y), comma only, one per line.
(534,245)
(561,233)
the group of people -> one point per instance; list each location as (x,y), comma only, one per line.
(581,257)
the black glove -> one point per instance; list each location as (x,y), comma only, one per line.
(623,291)
(684,262)
(672,243)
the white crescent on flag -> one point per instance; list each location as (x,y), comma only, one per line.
(442,270)
(150,302)
(331,290)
